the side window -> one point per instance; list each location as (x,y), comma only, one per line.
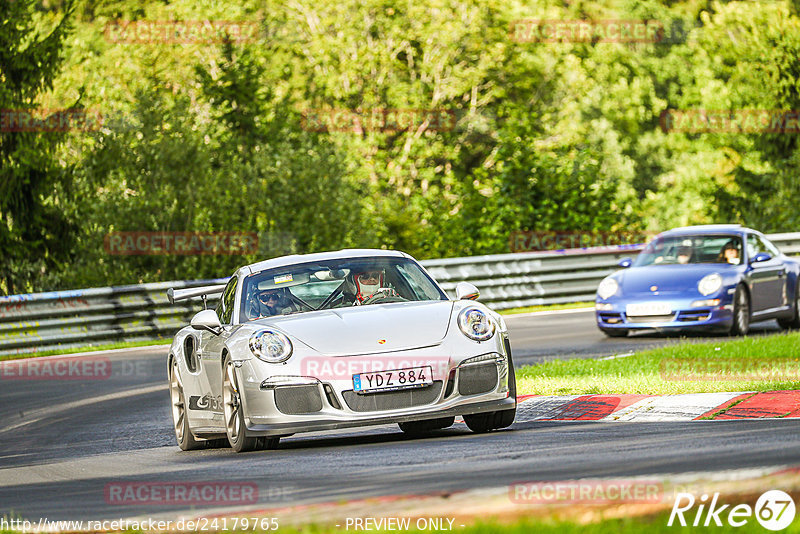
(225,306)
(753,246)
(770,247)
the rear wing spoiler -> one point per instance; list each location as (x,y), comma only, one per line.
(203,292)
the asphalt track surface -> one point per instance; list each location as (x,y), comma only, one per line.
(63,442)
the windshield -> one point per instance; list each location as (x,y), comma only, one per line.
(338,283)
(687,249)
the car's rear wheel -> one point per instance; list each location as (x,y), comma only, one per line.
(741,312)
(180,422)
(235,428)
(794,320)
(615,332)
(416,428)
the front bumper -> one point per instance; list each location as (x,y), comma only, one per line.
(306,404)
(683,316)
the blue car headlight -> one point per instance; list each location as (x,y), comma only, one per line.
(607,287)
(271,346)
(709,284)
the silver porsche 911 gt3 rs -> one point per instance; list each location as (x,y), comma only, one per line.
(335,340)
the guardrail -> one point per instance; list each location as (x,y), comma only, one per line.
(85,317)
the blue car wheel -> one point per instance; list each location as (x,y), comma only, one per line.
(615,332)
(794,320)
(741,312)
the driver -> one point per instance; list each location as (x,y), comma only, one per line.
(367,283)
(368,286)
(729,253)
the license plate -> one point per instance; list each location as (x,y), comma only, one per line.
(648,308)
(413,377)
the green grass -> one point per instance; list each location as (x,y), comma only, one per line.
(547,307)
(74,350)
(749,364)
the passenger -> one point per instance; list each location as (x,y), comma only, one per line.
(266,303)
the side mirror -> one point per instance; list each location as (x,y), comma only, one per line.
(761,256)
(467,291)
(625,263)
(207,320)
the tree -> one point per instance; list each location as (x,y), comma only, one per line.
(34,233)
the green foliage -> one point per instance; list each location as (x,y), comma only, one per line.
(546,136)
(34,234)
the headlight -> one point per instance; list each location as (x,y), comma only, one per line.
(709,284)
(270,346)
(475,324)
(607,288)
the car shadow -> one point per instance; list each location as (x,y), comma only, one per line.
(762,328)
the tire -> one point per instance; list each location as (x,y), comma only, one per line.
(741,312)
(615,332)
(238,436)
(485,422)
(793,322)
(416,428)
(180,421)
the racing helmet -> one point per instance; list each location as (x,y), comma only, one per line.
(367,282)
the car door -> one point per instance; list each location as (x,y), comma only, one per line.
(781,295)
(212,345)
(767,278)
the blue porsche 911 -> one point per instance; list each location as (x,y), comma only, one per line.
(713,277)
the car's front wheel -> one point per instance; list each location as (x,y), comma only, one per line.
(180,423)
(741,312)
(615,332)
(484,422)
(794,320)
(238,435)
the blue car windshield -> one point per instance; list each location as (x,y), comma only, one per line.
(687,249)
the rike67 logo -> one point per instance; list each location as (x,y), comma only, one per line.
(774,510)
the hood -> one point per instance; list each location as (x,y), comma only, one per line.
(668,278)
(360,329)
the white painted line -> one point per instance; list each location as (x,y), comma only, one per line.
(672,407)
(546,312)
(112,352)
(34,416)
(617,356)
